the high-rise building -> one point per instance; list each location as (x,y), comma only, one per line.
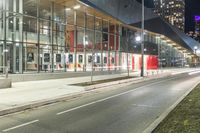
(172,11)
(197,28)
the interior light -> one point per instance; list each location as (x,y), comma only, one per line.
(68,9)
(77,7)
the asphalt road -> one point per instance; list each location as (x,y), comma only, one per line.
(129,109)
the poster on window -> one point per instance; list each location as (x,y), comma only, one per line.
(58,58)
(30,57)
(46,57)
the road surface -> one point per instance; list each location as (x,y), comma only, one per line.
(129,109)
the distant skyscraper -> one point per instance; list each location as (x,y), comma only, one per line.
(197,28)
(172,11)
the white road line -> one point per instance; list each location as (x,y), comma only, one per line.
(141,105)
(101,100)
(192,73)
(176,73)
(22,125)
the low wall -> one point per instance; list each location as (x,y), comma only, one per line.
(5,83)
(46,76)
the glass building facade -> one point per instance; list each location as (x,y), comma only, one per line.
(49,36)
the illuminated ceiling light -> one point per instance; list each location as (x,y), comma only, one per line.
(68,9)
(158,37)
(138,39)
(77,7)
(5,50)
(162,36)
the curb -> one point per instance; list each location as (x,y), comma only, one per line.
(40,103)
(153,125)
(126,82)
(98,86)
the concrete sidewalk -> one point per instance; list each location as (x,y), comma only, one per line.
(31,94)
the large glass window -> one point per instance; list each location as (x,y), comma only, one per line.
(45,9)
(59,13)
(80,16)
(30,29)
(98,24)
(70,16)
(105,26)
(90,22)
(30,7)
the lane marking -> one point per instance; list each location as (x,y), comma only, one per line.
(18,126)
(176,73)
(110,97)
(192,73)
(148,106)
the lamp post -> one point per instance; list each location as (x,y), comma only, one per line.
(195,52)
(195,49)
(142,41)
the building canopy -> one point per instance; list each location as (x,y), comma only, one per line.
(129,12)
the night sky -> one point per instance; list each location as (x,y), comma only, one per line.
(192,8)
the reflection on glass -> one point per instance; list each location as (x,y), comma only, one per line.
(105,60)
(80,58)
(89,59)
(98,59)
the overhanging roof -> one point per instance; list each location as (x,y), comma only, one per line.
(157,25)
(129,12)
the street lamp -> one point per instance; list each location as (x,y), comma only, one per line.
(195,49)
(138,39)
(142,41)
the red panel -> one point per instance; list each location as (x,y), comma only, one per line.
(71,41)
(152,62)
(112,46)
(133,63)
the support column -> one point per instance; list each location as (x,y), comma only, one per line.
(75,42)
(38,39)
(1,43)
(84,43)
(21,37)
(109,46)
(65,39)
(115,47)
(93,52)
(102,60)
(5,28)
(127,54)
(119,48)
(14,37)
(52,37)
